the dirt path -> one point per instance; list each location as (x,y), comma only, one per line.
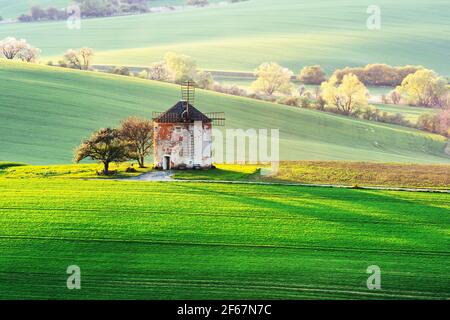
(153,176)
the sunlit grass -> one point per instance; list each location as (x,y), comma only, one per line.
(183,240)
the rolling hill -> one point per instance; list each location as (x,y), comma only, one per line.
(240,36)
(46,111)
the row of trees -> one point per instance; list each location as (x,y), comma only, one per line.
(378,74)
(77,59)
(12,48)
(133,140)
(435,122)
(96,8)
(177,68)
(421,88)
(40,14)
(88,8)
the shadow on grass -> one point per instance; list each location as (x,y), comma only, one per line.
(6,165)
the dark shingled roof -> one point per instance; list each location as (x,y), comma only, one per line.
(178,114)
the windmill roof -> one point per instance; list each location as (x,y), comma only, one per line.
(178,114)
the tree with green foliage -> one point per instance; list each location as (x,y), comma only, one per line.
(180,67)
(347,96)
(105,146)
(204,79)
(312,75)
(272,78)
(425,88)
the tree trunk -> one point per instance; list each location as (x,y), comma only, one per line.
(141,162)
(106,168)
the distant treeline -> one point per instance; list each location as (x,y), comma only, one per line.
(378,74)
(100,8)
(88,8)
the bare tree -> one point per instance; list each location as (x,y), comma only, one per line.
(86,55)
(158,71)
(139,134)
(81,59)
(395,97)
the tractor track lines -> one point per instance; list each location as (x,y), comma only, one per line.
(235,245)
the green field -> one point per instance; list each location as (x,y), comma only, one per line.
(204,240)
(46,111)
(240,36)
(411,113)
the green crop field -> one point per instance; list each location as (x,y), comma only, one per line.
(240,36)
(411,113)
(46,111)
(135,240)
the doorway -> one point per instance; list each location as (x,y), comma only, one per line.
(166,163)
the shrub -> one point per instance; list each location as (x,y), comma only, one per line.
(123,71)
(312,75)
(197,3)
(290,101)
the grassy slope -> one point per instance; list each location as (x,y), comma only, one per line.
(194,240)
(332,33)
(45,112)
(411,113)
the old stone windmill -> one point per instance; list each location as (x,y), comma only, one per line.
(183,134)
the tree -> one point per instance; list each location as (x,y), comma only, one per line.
(158,71)
(10,47)
(29,54)
(428,122)
(197,3)
(444,121)
(272,78)
(312,75)
(395,97)
(347,96)
(38,13)
(105,146)
(139,134)
(180,67)
(52,13)
(424,88)
(79,60)
(123,71)
(25,18)
(204,79)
